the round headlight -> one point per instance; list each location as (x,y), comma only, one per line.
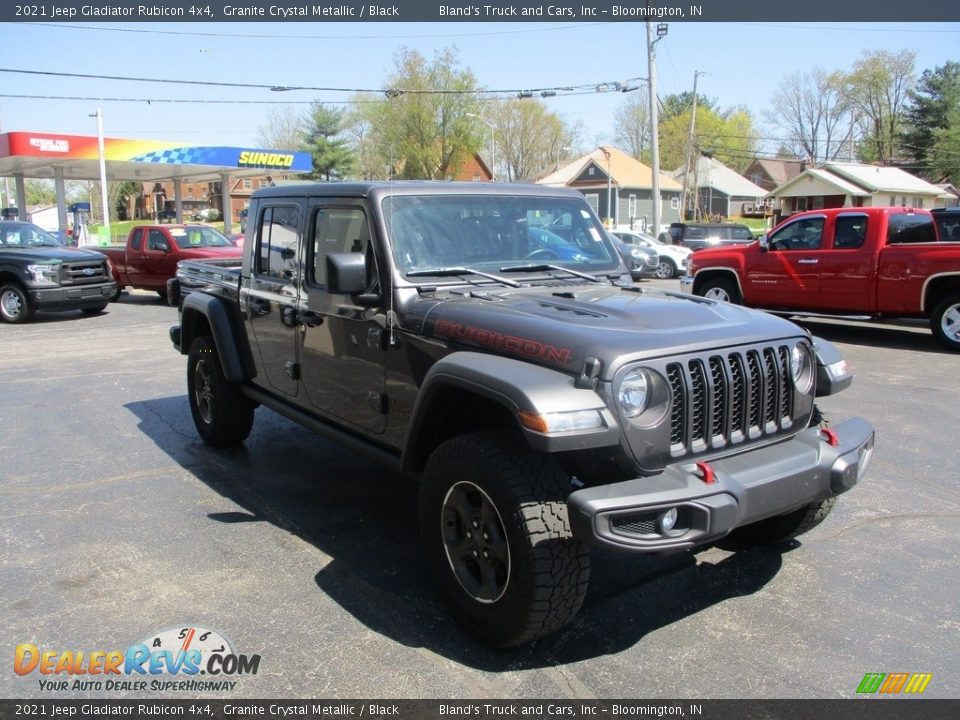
(801,367)
(634,393)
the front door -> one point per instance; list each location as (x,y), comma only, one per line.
(788,274)
(270,300)
(343,344)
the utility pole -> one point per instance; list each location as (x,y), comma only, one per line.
(654,139)
(686,167)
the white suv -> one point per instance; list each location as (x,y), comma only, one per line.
(672,257)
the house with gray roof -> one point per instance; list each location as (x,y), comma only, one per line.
(721,192)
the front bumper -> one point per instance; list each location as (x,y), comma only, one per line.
(72,298)
(748,487)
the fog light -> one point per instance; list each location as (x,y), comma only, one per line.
(668,521)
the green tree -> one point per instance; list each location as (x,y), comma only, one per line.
(333,156)
(929,119)
(120,195)
(40,193)
(426,125)
(879,87)
(945,153)
(673,105)
(729,137)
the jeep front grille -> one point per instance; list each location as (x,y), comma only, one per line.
(725,399)
(83,273)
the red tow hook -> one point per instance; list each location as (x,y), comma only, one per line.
(706,473)
(830,436)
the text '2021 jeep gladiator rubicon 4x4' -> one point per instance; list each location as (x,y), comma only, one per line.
(544,402)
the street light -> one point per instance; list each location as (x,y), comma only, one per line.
(103,171)
(493,145)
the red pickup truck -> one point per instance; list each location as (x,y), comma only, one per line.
(152,252)
(873,261)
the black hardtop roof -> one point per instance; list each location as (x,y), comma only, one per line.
(410,187)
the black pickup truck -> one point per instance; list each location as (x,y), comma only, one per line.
(37,272)
(542,400)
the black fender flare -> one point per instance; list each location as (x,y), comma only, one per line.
(833,376)
(220,316)
(516,386)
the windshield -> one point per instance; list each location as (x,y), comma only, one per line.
(488,233)
(23,235)
(200,236)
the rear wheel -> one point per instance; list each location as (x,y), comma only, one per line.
(785,527)
(494,525)
(222,414)
(15,306)
(720,289)
(945,322)
(665,269)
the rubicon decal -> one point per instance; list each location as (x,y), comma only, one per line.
(894,683)
(183,651)
(505,343)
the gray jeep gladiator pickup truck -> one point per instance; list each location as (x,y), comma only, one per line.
(486,340)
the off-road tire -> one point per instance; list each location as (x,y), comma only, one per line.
(222,414)
(93,310)
(15,305)
(720,289)
(781,528)
(538,572)
(945,322)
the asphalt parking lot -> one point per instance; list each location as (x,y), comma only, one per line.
(117,523)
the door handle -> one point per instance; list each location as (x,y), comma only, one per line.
(808,261)
(309,318)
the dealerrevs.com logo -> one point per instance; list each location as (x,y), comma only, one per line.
(186,658)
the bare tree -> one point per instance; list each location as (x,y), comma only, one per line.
(817,112)
(631,126)
(283,129)
(529,137)
(879,88)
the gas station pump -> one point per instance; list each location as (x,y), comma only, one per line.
(79,212)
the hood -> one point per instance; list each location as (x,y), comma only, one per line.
(46,254)
(560,327)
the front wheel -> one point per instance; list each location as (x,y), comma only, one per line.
(720,289)
(781,528)
(222,414)
(945,322)
(15,306)
(494,525)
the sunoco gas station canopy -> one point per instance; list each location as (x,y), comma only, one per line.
(38,155)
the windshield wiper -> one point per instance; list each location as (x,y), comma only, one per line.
(556,268)
(442,271)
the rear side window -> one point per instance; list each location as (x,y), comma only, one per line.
(694,233)
(849,232)
(277,242)
(906,228)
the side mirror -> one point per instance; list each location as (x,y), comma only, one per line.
(764,243)
(162,246)
(346,273)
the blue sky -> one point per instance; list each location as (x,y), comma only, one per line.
(744,62)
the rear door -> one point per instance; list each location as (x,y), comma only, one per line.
(270,298)
(848,266)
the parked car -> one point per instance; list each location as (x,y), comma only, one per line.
(541,406)
(167,216)
(642,261)
(150,256)
(672,258)
(877,261)
(37,272)
(696,236)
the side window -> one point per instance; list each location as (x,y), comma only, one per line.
(137,240)
(694,233)
(337,230)
(849,232)
(157,241)
(910,228)
(277,242)
(741,233)
(801,235)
